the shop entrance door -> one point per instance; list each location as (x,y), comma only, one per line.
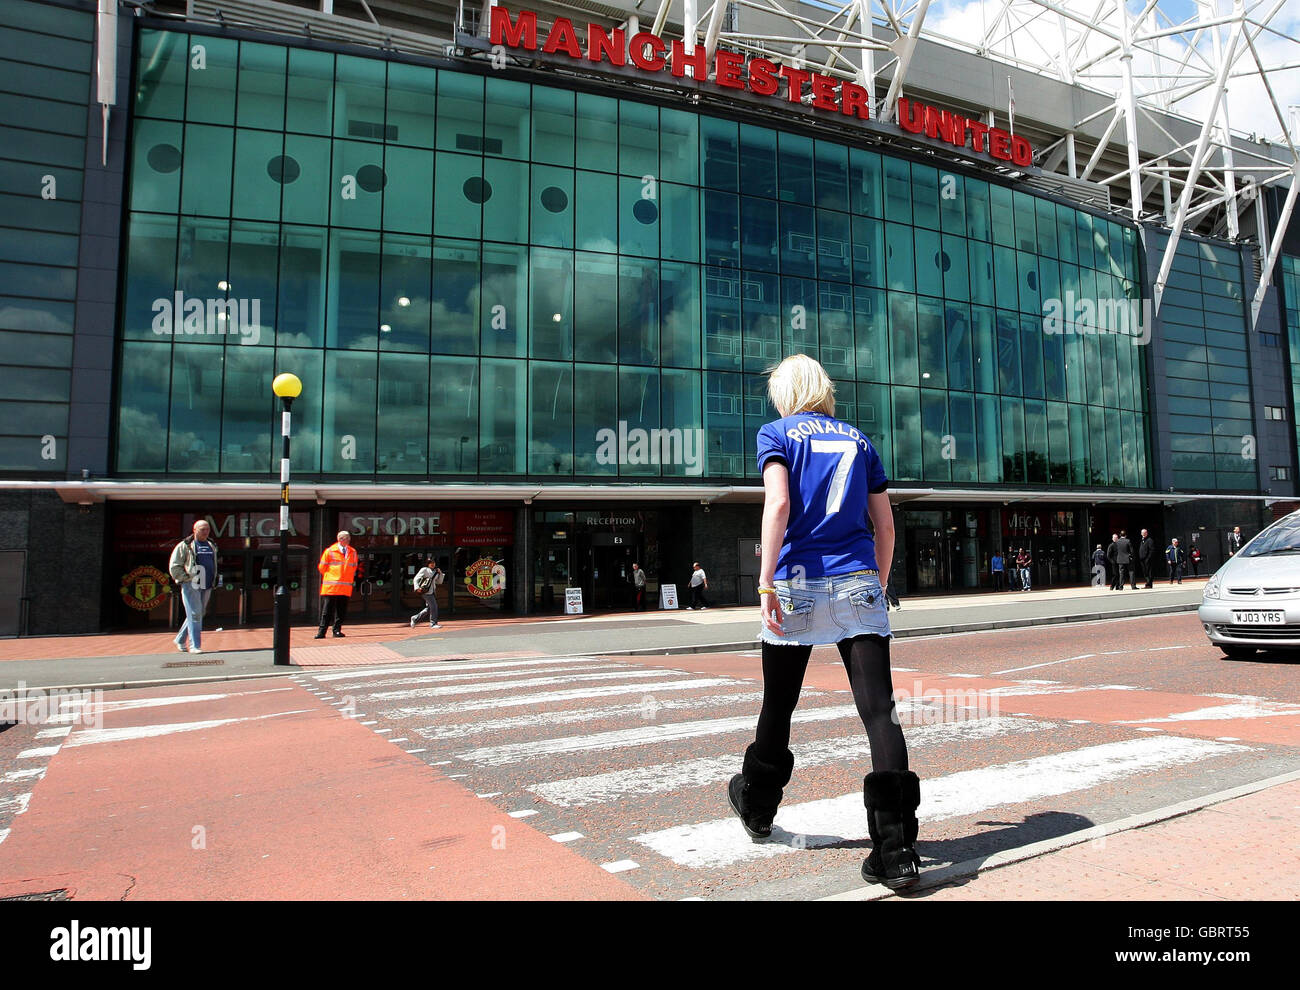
(554,570)
(932,553)
(262,575)
(245,590)
(13,569)
(612,556)
(373,596)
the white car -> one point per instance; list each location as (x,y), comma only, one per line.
(1253,601)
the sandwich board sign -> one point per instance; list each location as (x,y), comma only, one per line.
(572,601)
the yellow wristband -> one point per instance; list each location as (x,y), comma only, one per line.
(767,591)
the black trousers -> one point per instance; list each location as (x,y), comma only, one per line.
(1127,575)
(697,597)
(997,580)
(866,659)
(1147,573)
(333,610)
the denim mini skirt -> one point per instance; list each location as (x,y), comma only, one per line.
(819,611)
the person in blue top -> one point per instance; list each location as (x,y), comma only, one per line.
(193,566)
(827,545)
(997,567)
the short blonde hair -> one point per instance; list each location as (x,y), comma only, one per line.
(799,384)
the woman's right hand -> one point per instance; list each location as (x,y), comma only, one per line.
(772,615)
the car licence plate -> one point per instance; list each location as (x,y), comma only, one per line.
(1257,617)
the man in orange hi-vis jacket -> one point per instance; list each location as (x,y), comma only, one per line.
(338,571)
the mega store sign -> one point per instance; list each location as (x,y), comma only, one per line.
(763,77)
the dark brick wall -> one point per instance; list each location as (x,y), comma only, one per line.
(65,560)
(713,543)
(1217,517)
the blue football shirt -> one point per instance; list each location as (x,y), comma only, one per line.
(206,555)
(833,467)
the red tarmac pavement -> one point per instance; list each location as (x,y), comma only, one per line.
(263,789)
(290,800)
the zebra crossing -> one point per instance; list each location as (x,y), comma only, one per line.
(625,760)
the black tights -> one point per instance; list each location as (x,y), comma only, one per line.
(866,658)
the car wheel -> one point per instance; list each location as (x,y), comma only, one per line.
(1239,652)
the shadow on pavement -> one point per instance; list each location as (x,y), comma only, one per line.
(974,851)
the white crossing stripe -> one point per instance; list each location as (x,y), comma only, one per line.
(811,824)
(622,866)
(15,805)
(187,699)
(524,813)
(31,754)
(4,834)
(484,686)
(88,737)
(1034,688)
(647,708)
(556,697)
(566,836)
(1213,713)
(58,733)
(35,773)
(637,781)
(447,678)
(447,665)
(495,756)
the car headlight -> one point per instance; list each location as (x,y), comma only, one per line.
(1212,587)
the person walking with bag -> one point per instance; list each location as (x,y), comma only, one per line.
(699,584)
(820,582)
(338,572)
(425,583)
(193,566)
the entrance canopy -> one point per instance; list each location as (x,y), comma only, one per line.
(92,492)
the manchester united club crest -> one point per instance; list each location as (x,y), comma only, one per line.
(484,578)
(145,588)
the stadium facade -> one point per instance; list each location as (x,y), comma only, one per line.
(531,265)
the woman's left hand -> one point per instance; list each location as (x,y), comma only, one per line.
(772,615)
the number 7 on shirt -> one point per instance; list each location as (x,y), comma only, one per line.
(847,449)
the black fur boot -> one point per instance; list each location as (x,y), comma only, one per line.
(755,792)
(892,797)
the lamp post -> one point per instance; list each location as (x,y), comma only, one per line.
(287,387)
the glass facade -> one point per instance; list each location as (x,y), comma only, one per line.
(1289,279)
(1203,324)
(477,276)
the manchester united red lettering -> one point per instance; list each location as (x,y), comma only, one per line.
(731,70)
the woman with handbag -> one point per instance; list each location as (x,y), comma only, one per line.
(426,583)
(820,582)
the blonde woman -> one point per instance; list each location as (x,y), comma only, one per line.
(821,581)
